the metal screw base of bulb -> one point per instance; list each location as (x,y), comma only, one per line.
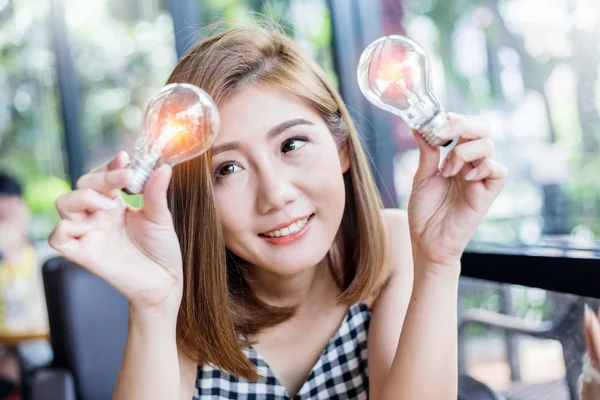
(140,171)
(436,125)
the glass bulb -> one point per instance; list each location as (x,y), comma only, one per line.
(181,122)
(393,74)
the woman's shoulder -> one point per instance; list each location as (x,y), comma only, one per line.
(398,250)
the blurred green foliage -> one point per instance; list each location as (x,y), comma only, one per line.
(123,53)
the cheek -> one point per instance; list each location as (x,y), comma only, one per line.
(325,179)
(233,213)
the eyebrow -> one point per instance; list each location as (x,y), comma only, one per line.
(273,132)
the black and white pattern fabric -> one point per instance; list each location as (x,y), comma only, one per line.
(340,372)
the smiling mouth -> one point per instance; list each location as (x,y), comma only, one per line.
(288,230)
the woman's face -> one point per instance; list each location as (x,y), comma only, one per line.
(278,182)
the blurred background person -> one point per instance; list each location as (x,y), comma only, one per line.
(22,305)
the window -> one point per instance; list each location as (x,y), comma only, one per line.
(536,77)
(30,128)
(123,53)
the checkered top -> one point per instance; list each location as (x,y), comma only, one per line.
(340,372)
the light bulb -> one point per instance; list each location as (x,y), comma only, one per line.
(181,122)
(393,74)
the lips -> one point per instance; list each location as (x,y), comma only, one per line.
(288,236)
(288,228)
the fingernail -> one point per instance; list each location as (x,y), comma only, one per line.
(165,166)
(471,174)
(441,167)
(446,169)
(124,155)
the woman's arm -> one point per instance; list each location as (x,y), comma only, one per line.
(425,363)
(137,252)
(422,362)
(445,207)
(151,366)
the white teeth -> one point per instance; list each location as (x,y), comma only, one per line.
(293,228)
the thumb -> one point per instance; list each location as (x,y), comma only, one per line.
(155,206)
(429,158)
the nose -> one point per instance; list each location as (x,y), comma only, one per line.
(275,190)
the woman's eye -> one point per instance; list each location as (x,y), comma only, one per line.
(226,169)
(293,144)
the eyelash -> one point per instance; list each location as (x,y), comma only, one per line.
(302,138)
(223,164)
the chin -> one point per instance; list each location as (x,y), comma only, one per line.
(291,268)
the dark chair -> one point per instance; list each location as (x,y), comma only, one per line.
(33,356)
(471,389)
(564,327)
(7,389)
(88,330)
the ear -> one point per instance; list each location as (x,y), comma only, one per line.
(344,157)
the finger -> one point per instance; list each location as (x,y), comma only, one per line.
(466,152)
(595,334)
(588,341)
(105,182)
(491,172)
(155,206)
(77,204)
(66,234)
(465,126)
(118,162)
(429,159)
(587,320)
(486,169)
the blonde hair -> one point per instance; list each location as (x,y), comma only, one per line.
(219,313)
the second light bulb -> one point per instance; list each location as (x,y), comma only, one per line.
(393,74)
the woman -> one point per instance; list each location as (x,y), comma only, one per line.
(22,306)
(272,250)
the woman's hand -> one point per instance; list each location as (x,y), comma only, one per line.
(590,379)
(446,205)
(134,250)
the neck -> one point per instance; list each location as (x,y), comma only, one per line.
(288,290)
